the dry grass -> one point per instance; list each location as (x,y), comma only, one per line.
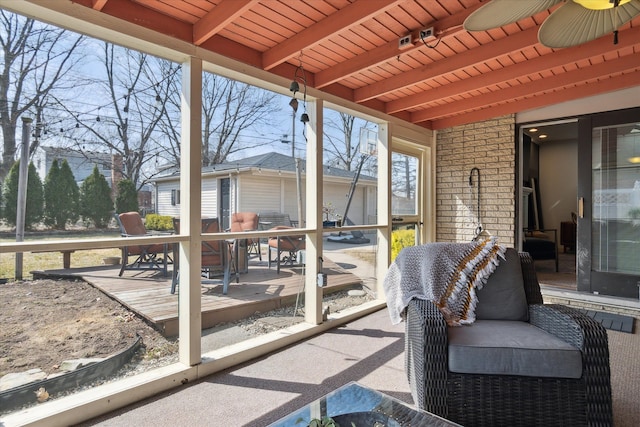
(53,260)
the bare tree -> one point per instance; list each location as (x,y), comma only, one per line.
(403,174)
(230,110)
(340,148)
(133,96)
(36,59)
(342,142)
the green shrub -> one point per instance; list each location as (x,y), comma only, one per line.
(158,222)
(401,239)
(61,196)
(95,200)
(35,197)
(127,197)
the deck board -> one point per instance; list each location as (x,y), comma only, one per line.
(147,293)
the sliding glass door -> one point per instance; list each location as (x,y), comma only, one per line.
(609,204)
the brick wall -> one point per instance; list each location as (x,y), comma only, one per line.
(491,147)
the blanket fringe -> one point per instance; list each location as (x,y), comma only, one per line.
(473,272)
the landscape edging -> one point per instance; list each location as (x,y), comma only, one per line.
(25,394)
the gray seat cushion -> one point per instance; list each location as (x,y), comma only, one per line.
(503,296)
(505,347)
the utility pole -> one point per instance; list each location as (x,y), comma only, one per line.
(22,191)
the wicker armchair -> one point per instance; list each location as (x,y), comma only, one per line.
(475,399)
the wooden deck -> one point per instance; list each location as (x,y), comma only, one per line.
(261,289)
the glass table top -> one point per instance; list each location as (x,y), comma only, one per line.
(355,398)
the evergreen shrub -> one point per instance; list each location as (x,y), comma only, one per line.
(96,205)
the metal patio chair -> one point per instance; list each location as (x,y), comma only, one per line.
(147,257)
(216,256)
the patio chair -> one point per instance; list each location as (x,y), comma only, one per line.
(247,221)
(521,362)
(147,257)
(268,220)
(216,256)
(284,248)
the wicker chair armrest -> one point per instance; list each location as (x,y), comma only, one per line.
(426,357)
(530,279)
(579,330)
(568,324)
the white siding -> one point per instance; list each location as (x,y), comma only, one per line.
(210,197)
(263,193)
(164,198)
(259,194)
(290,198)
(81,167)
(337,194)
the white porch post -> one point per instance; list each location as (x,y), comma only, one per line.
(313,209)
(189,313)
(383,255)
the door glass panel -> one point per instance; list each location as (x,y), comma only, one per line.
(404,202)
(403,184)
(616,199)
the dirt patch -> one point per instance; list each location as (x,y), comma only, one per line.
(45,322)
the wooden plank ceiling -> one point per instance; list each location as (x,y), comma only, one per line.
(350,48)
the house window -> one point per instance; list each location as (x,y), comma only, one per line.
(175,197)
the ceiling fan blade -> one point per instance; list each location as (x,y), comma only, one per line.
(497,13)
(572,24)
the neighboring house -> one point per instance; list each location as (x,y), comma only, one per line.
(81,163)
(266,182)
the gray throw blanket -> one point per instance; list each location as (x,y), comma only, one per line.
(446,273)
